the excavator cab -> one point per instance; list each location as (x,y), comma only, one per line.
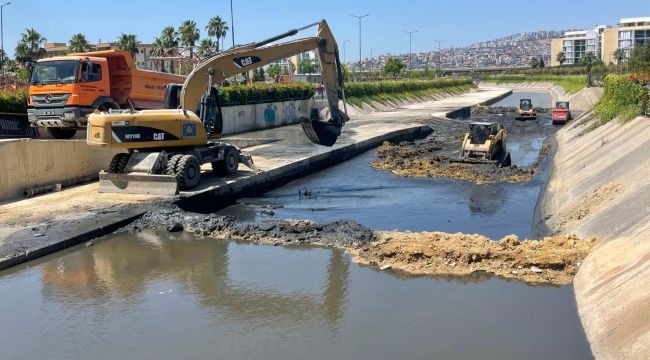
(208,110)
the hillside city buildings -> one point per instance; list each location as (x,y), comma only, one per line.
(508,52)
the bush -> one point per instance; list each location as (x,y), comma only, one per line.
(13,101)
(624,97)
(264,93)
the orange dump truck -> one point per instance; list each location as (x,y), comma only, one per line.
(64,89)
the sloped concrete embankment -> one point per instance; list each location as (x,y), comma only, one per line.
(600,187)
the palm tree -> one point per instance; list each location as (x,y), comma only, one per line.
(169,39)
(619,56)
(128,42)
(561,57)
(217,28)
(157,49)
(207,48)
(78,43)
(189,35)
(588,60)
(30,46)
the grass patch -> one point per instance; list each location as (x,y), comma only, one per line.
(570,83)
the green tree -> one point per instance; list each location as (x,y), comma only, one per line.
(540,63)
(217,28)
(308,66)
(189,35)
(207,48)
(533,62)
(561,57)
(78,43)
(639,60)
(30,46)
(169,41)
(274,70)
(393,66)
(128,42)
(588,60)
(258,75)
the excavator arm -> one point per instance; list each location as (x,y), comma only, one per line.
(252,56)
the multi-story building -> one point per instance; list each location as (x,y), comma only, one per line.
(603,41)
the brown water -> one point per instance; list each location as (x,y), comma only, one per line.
(162,296)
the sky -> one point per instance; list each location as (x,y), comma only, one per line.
(391,27)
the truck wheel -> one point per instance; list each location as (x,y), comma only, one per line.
(118,163)
(188,172)
(230,163)
(61,133)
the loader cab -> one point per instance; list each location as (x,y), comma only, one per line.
(208,110)
(525,104)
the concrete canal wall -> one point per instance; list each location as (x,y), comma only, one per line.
(600,187)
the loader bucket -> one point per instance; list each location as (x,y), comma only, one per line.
(321,133)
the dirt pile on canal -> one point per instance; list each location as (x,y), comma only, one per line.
(554,260)
(437,155)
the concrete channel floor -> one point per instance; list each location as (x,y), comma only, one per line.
(34,227)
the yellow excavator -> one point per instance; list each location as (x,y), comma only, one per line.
(166,147)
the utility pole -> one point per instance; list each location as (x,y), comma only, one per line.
(2,41)
(439,57)
(344,41)
(360,17)
(410,52)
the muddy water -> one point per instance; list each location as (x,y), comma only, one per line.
(162,296)
(383,201)
(176,296)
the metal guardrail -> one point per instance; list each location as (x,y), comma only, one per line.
(16,126)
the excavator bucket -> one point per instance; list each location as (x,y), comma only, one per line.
(319,132)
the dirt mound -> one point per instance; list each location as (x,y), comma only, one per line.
(552,260)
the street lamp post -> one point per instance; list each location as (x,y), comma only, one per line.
(2,41)
(232,25)
(410,52)
(344,41)
(360,17)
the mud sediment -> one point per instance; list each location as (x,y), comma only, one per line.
(553,260)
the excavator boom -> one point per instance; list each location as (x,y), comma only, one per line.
(248,57)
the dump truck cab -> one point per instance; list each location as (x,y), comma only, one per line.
(64,89)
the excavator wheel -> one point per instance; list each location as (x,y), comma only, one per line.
(230,163)
(172,163)
(118,163)
(188,171)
